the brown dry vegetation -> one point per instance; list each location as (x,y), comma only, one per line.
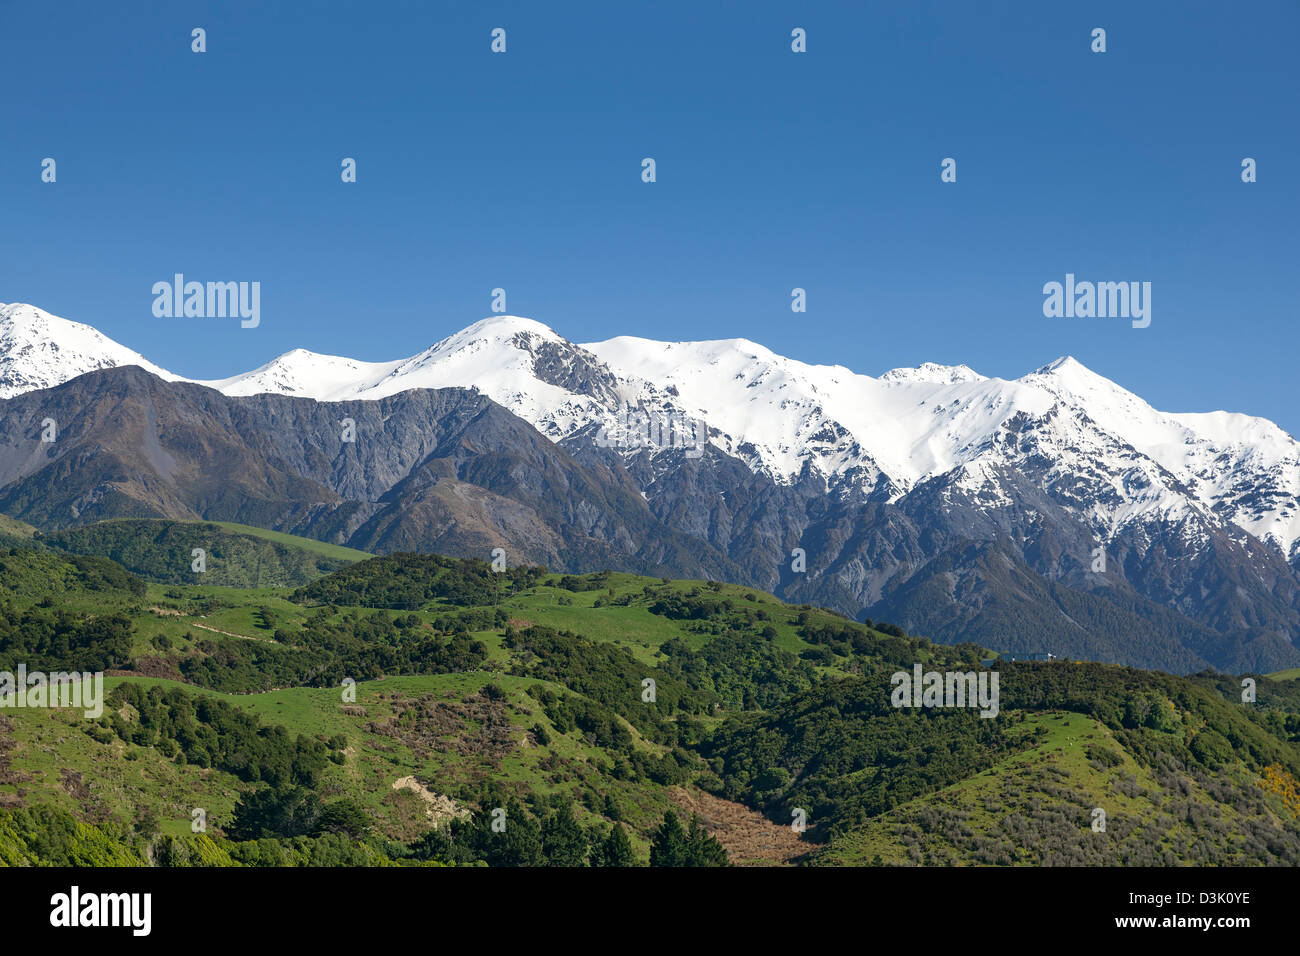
(749,838)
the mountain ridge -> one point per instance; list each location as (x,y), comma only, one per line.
(871,478)
(921,422)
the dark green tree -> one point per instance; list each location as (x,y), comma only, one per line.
(702,849)
(563,841)
(614,850)
(512,839)
(271,812)
(668,844)
(345,816)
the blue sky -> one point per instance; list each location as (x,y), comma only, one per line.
(775,170)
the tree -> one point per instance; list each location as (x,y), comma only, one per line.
(668,845)
(519,844)
(702,849)
(343,816)
(563,841)
(1211,748)
(611,809)
(614,850)
(270,812)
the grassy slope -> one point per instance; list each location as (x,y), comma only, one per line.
(1047,788)
(335,551)
(15,528)
(977,808)
(236,556)
(55,758)
(1008,814)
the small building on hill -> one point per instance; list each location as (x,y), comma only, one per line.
(1025,656)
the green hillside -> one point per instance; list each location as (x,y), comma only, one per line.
(234,555)
(392,710)
(15,533)
(336,552)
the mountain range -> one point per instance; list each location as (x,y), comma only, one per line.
(1055,512)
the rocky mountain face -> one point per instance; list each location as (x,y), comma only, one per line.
(1057,512)
(439,470)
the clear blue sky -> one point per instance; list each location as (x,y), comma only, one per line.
(775,170)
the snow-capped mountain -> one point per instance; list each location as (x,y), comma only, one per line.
(39,350)
(1245,469)
(863,435)
(780,415)
(519,363)
(884,480)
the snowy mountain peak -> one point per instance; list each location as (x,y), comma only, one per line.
(1066,362)
(786,418)
(1245,469)
(497,328)
(23,322)
(934,374)
(305,374)
(40,350)
(1111,406)
(1068,369)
